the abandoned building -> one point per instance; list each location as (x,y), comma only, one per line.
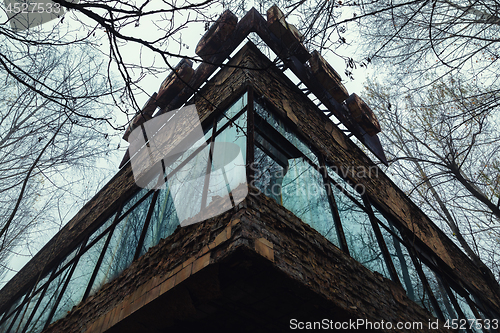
(313,232)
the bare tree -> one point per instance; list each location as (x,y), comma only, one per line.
(444,151)
(48,146)
(60,98)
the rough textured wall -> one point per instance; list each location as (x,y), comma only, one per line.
(261,226)
(270,84)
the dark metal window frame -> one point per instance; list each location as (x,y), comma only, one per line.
(366,207)
(416,253)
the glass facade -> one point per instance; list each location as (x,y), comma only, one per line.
(286,169)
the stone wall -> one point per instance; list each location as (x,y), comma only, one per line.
(260,226)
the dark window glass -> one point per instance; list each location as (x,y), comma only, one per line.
(5,325)
(20,320)
(79,280)
(122,246)
(283,174)
(440,293)
(360,237)
(163,222)
(48,301)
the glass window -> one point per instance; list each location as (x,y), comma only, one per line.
(228,171)
(284,175)
(408,275)
(122,246)
(343,185)
(466,309)
(103,227)
(5,325)
(19,321)
(48,302)
(133,200)
(232,110)
(163,222)
(360,237)
(187,185)
(440,293)
(278,125)
(79,280)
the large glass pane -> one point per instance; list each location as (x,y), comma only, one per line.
(228,171)
(342,185)
(283,174)
(187,185)
(79,280)
(360,237)
(469,314)
(103,227)
(408,275)
(305,195)
(122,246)
(296,185)
(48,302)
(278,124)
(185,157)
(440,293)
(232,111)
(163,221)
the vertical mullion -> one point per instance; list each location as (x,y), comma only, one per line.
(101,256)
(334,207)
(250,136)
(63,289)
(424,281)
(42,293)
(146,223)
(454,301)
(204,194)
(20,307)
(474,309)
(402,261)
(380,239)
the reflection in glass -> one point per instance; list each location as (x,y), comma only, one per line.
(232,111)
(163,221)
(278,125)
(122,246)
(48,302)
(19,321)
(228,171)
(360,237)
(440,293)
(5,325)
(466,309)
(408,275)
(342,185)
(103,227)
(79,280)
(295,184)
